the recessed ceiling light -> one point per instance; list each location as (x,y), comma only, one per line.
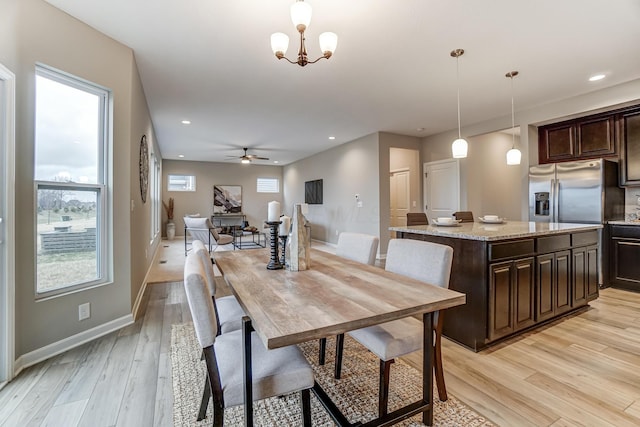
(596,77)
(332,137)
(276,162)
(186,122)
(181,155)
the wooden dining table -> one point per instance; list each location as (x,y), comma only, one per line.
(334,296)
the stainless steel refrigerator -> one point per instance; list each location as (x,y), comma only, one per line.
(584,191)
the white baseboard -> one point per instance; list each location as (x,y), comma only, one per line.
(61,346)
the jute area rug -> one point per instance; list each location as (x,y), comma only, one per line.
(356,394)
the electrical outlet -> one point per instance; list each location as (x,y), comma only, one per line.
(84,311)
(337,233)
(359,204)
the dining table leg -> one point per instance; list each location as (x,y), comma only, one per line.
(427,367)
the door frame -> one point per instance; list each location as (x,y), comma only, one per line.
(7,278)
(456,166)
(391,174)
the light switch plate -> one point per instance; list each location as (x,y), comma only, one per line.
(84,311)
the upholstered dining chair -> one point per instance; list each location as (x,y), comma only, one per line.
(361,248)
(424,261)
(200,228)
(464,216)
(274,372)
(229,313)
(417,218)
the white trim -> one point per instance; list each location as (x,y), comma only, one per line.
(138,302)
(8,320)
(68,343)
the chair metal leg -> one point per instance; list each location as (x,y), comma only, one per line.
(306,407)
(339,349)
(204,403)
(383,398)
(321,351)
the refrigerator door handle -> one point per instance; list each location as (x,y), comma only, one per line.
(552,201)
(556,200)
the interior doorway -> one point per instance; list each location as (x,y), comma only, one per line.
(7,236)
(441,188)
(400,196)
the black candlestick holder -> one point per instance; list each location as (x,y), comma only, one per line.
(274,262)
(284,249)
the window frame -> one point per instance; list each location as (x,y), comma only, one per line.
(191,190)
(104,214)
(267,178)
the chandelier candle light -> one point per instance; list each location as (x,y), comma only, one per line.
(459,146)
(514,155)
(301,17)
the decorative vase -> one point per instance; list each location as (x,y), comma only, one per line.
(298,245)
(171,230)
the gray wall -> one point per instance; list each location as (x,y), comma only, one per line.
(346,170)
(208,174)
(42,33)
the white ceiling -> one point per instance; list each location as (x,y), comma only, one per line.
(210,61)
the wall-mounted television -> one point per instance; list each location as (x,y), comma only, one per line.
(313,192)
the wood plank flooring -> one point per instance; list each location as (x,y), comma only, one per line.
(581,371)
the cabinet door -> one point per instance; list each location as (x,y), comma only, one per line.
(625,254)
(546,295)
(596,137)
(523,281)
(580,277)
(500,300)
(562,281)
(628,135)
(593,274)
(556,143)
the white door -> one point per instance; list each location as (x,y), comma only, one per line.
(441,188)
(7,246)
(400,195)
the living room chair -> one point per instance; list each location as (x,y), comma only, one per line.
(360,248)
(424,261)
(417,218)
(200,228)
(464,216)
(274,372)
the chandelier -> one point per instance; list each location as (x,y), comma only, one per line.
(301,17)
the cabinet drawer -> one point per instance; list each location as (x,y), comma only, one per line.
(553,243)
(584,239)
(507,250)
(632,231)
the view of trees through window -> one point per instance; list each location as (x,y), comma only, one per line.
(69,173)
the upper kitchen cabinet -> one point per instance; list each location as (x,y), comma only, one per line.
(628,134)
(584,138)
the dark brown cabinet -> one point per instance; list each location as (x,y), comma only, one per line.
(553,272)
(625,257)
(584,138)
(628,135)
(584,275)
(512,297)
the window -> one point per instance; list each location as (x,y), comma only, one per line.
(268,185)
(71,170)
(181,183)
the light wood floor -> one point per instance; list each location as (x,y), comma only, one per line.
(583,370)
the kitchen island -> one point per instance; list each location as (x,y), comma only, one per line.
(516,275)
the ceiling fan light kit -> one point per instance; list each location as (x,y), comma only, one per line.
(301,17)
(248,158)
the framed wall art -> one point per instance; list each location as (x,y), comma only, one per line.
(227,199)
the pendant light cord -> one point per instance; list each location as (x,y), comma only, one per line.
(513,120)
(458,84)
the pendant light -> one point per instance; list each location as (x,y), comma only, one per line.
(514,155)
(459,146)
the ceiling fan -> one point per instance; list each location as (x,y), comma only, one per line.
(247,158)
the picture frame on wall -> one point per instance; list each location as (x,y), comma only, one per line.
(227,199)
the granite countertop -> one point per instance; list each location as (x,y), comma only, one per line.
(623,222)
(490,232)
